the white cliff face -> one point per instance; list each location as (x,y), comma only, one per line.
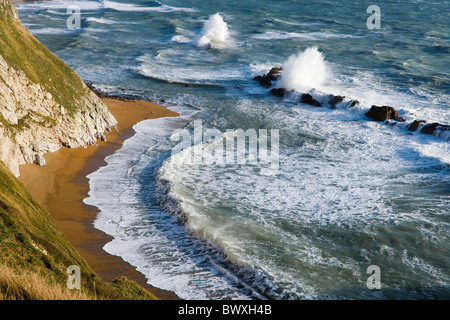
(32,123)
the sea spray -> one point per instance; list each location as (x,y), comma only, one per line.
(215,33)
(304,71)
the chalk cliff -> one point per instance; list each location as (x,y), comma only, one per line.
(44,105)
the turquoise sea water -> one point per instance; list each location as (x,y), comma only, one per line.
(349,193)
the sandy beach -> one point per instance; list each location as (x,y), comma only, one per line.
(61,186)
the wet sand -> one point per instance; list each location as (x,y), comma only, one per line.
(61,186)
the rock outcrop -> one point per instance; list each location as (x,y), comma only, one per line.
(334,100)
(40,117)
(385,114)
(269,81)
(266,79)
(308,99)
(413,126)
(434,128)
(281,92)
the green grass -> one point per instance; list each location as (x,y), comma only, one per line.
(33,247)
(24,52)
(34,253)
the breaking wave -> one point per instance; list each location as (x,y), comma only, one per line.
(214,34)
(304,71)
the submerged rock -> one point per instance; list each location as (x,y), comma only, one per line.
(279,92)
(308,99)
(263,81)
(432,128)
(353,103)
(413,126)
(334,100)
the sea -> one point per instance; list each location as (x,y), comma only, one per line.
(346,208)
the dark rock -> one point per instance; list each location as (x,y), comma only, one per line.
(334,100)
(266,80)
(278,92)
(431,128)
(383,113)
(274,73)
(98,92)
(413,126)
(263,81)
(308,99)
(353,103)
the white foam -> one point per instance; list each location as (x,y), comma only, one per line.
(296,23)
(119,6)
(215,33)
(169,66)
(304,71)
(341,177)
(152,240)
(180,39)
(280,35)
(101,20)
(61,5)
(257,69)
(98,5)
(415,263)
(344,185)
(51,31)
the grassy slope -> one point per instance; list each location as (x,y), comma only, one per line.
(23,51)
(27,232)
(26,229)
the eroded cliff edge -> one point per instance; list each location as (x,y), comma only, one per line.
(44,105)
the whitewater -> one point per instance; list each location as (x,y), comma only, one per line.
(348,192)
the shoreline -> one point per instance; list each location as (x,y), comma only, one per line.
(62,184)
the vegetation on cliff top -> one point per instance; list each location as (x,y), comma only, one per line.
(23,51)
(35,255)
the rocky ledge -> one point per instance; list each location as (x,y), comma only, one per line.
(385,114)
